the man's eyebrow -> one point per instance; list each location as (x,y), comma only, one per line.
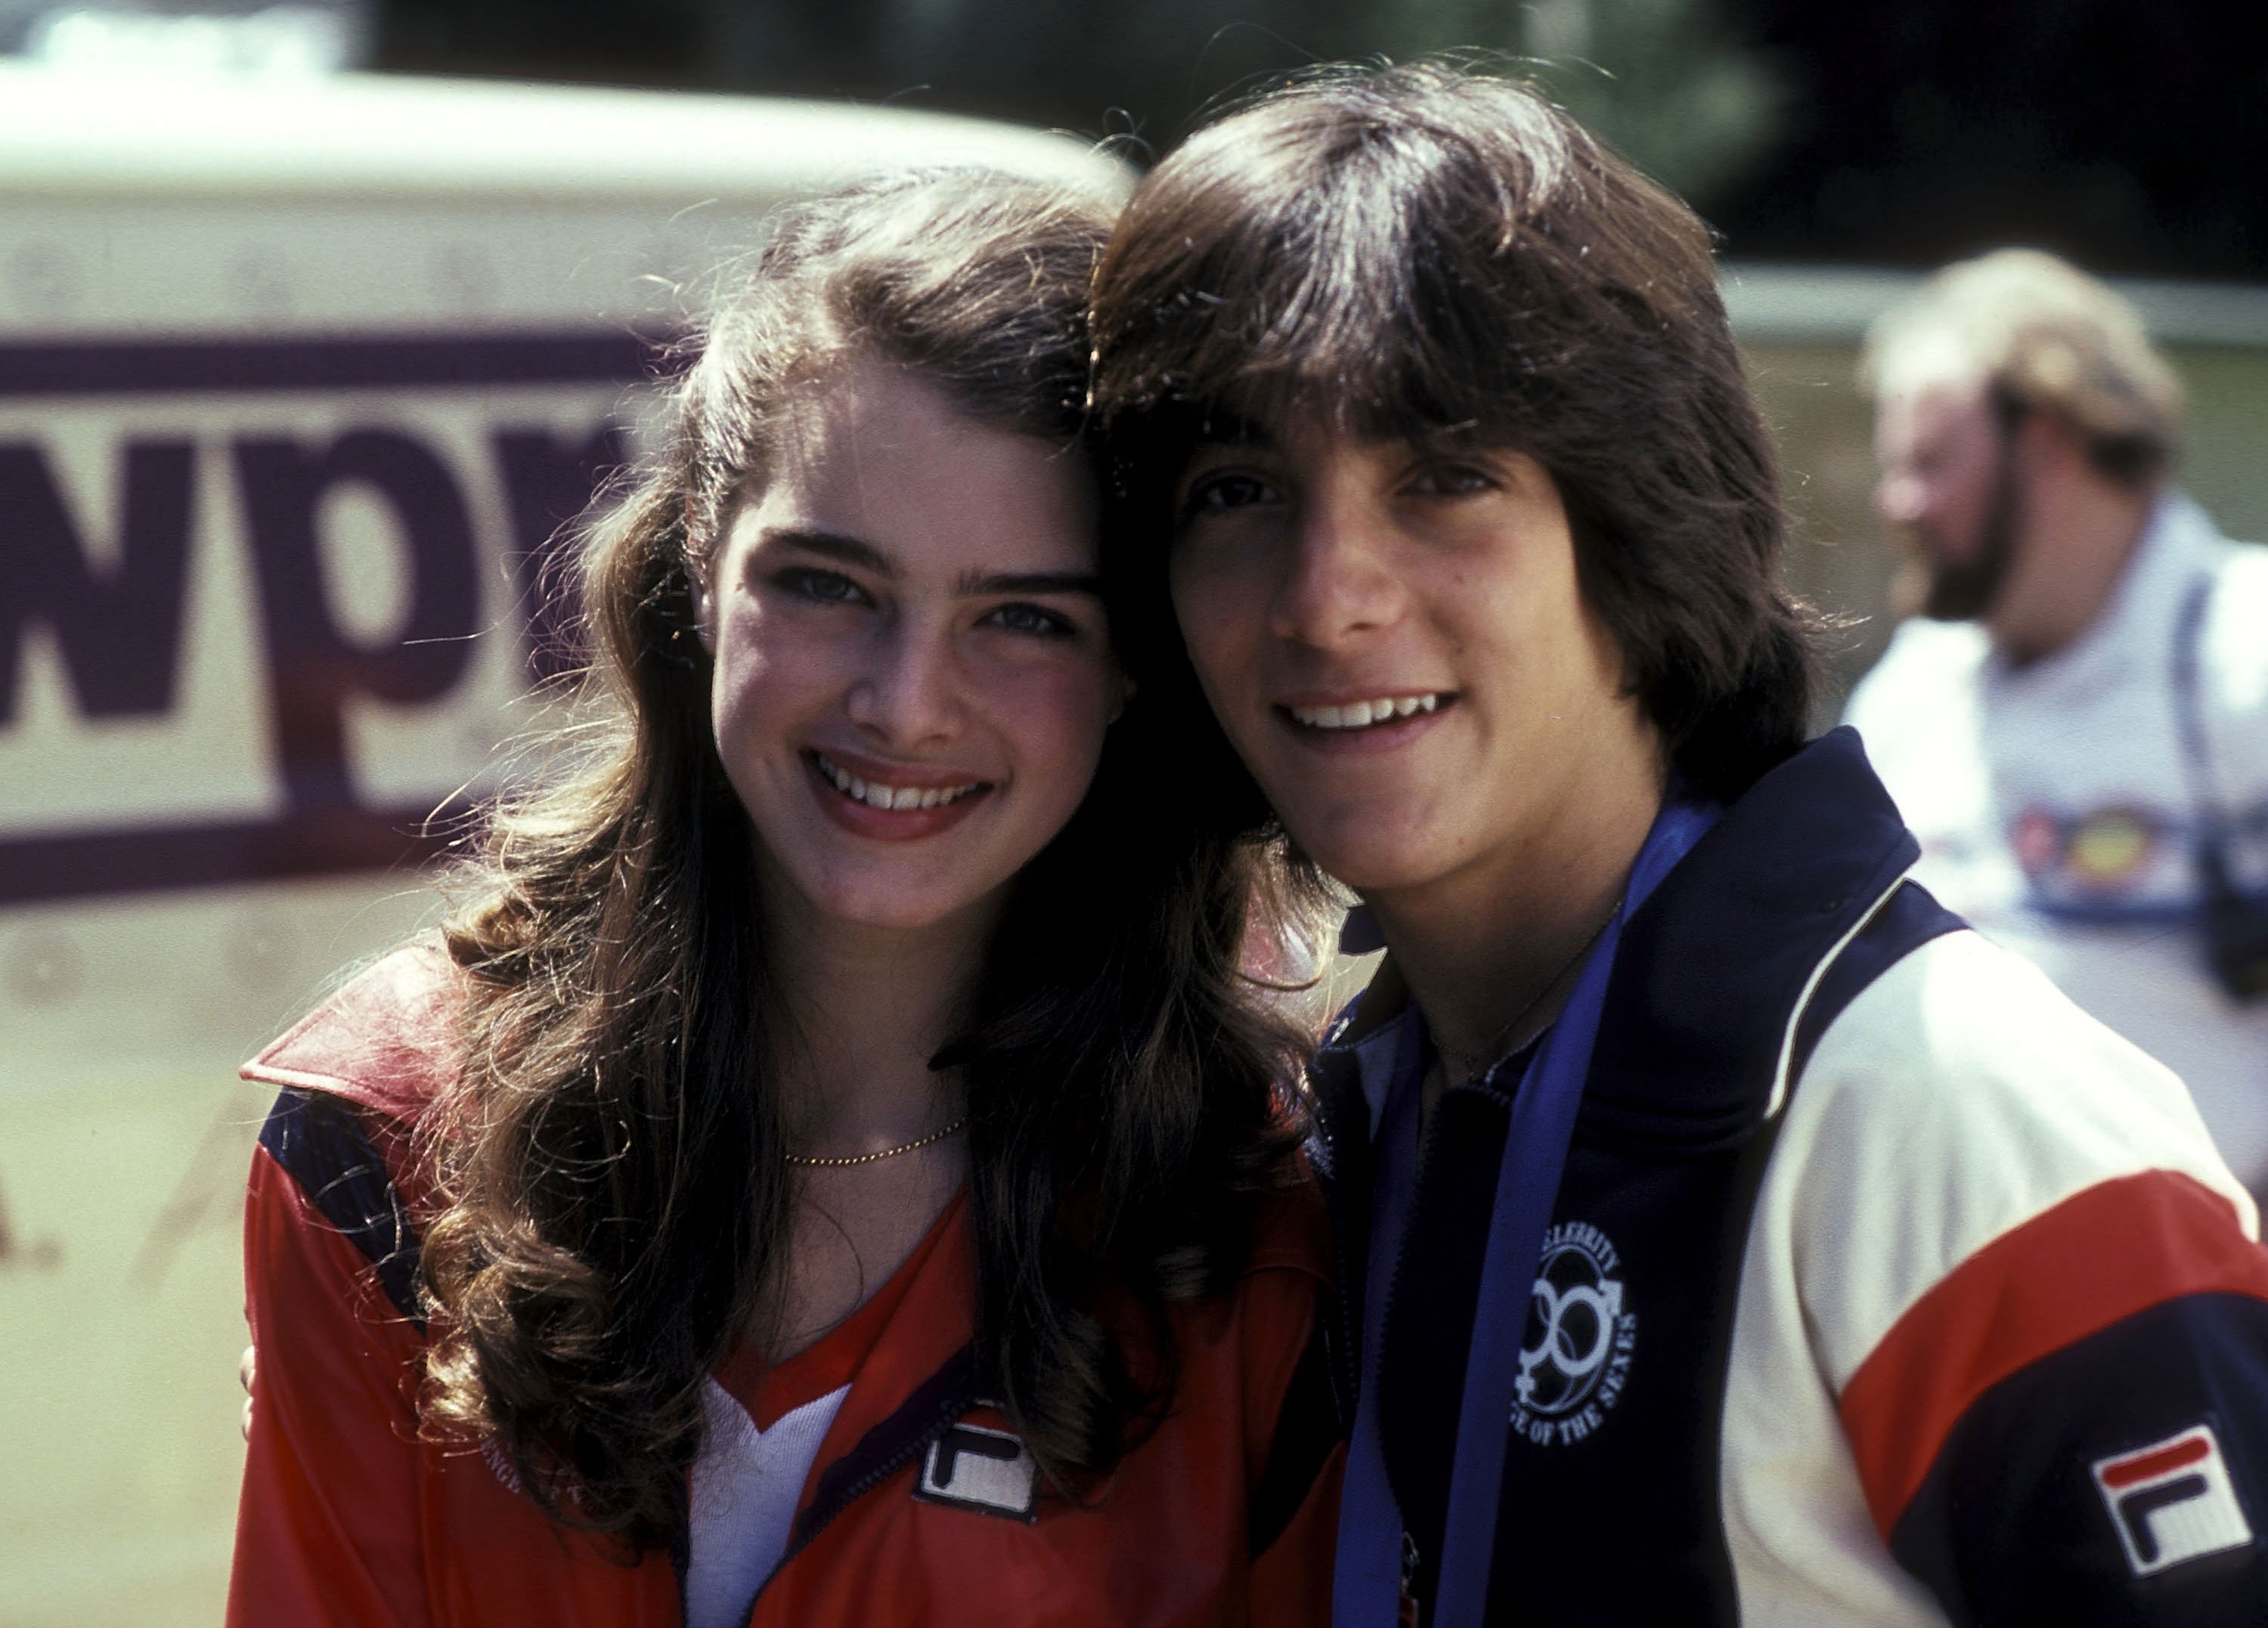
(1221,427)
(1467,436)
(975,584)
(832,546)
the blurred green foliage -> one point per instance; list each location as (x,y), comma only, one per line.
(1668,82)
(1671,82)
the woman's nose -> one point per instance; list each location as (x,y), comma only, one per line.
(908,694)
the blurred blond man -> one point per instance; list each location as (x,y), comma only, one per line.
(2076,723)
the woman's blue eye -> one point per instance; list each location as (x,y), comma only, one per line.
(1032,619)
(826,587)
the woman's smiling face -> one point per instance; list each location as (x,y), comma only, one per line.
(913,673)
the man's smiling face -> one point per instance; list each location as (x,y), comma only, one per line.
(1396,641)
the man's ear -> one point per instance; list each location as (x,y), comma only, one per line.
(2047,445)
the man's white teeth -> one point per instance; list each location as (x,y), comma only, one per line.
(880,797)
(1362,714)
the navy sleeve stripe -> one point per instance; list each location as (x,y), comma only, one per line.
(936,1403)
(320,1142)
(2122,1480)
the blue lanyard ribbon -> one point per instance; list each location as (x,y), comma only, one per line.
(1367,1585)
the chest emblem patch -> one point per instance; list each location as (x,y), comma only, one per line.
(973,1468)
(1580,1338)
(2172,1500)
(2106,852)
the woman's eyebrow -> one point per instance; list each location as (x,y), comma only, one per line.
(1031,582)
(832,546)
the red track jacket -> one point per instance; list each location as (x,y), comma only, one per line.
(1224,1515)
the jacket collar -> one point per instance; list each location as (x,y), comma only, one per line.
(388,1040)
(1712,968)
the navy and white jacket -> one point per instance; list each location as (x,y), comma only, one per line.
(1884,1287)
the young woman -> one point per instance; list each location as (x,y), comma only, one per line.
(831,1168)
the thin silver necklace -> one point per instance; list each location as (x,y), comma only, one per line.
(1471,1066)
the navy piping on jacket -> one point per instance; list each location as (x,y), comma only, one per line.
(320,1142)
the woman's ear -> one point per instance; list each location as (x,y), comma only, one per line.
(1124,695)
(701,580)
(704,597)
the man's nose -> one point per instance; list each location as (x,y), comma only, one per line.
(1339,581)
(909,694)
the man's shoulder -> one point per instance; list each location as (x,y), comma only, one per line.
(1961,1039)
(1930,672)
(389,1039)
(1923,654)
(1956,1102)
(2233,651)
(2000,1236)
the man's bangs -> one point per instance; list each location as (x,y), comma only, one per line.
(1338,310)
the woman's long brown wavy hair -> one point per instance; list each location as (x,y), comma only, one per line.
(614,1201)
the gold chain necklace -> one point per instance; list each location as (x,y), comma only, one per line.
(1469,1065)
(961,1124)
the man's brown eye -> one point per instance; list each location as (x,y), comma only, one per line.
(1219,493)
(1452,479)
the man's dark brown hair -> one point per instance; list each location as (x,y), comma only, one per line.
(1425,253)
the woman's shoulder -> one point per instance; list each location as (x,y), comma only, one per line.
(389,1039)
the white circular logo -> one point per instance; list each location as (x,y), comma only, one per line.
(1578,1355)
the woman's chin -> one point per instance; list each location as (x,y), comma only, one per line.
(895,903)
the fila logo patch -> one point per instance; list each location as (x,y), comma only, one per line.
(2172,1500)
(972,1468)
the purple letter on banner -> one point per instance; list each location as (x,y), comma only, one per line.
(546,486)
(120,630)
(313,666)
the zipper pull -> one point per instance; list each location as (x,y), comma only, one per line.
(1407,1614)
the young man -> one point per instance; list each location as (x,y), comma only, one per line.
(1727,1234)
(2076,726)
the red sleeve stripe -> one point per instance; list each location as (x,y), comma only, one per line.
(2107,1252)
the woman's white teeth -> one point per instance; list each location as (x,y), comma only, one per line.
(1362,714)
(880,797)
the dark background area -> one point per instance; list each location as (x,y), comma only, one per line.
(2128,134)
